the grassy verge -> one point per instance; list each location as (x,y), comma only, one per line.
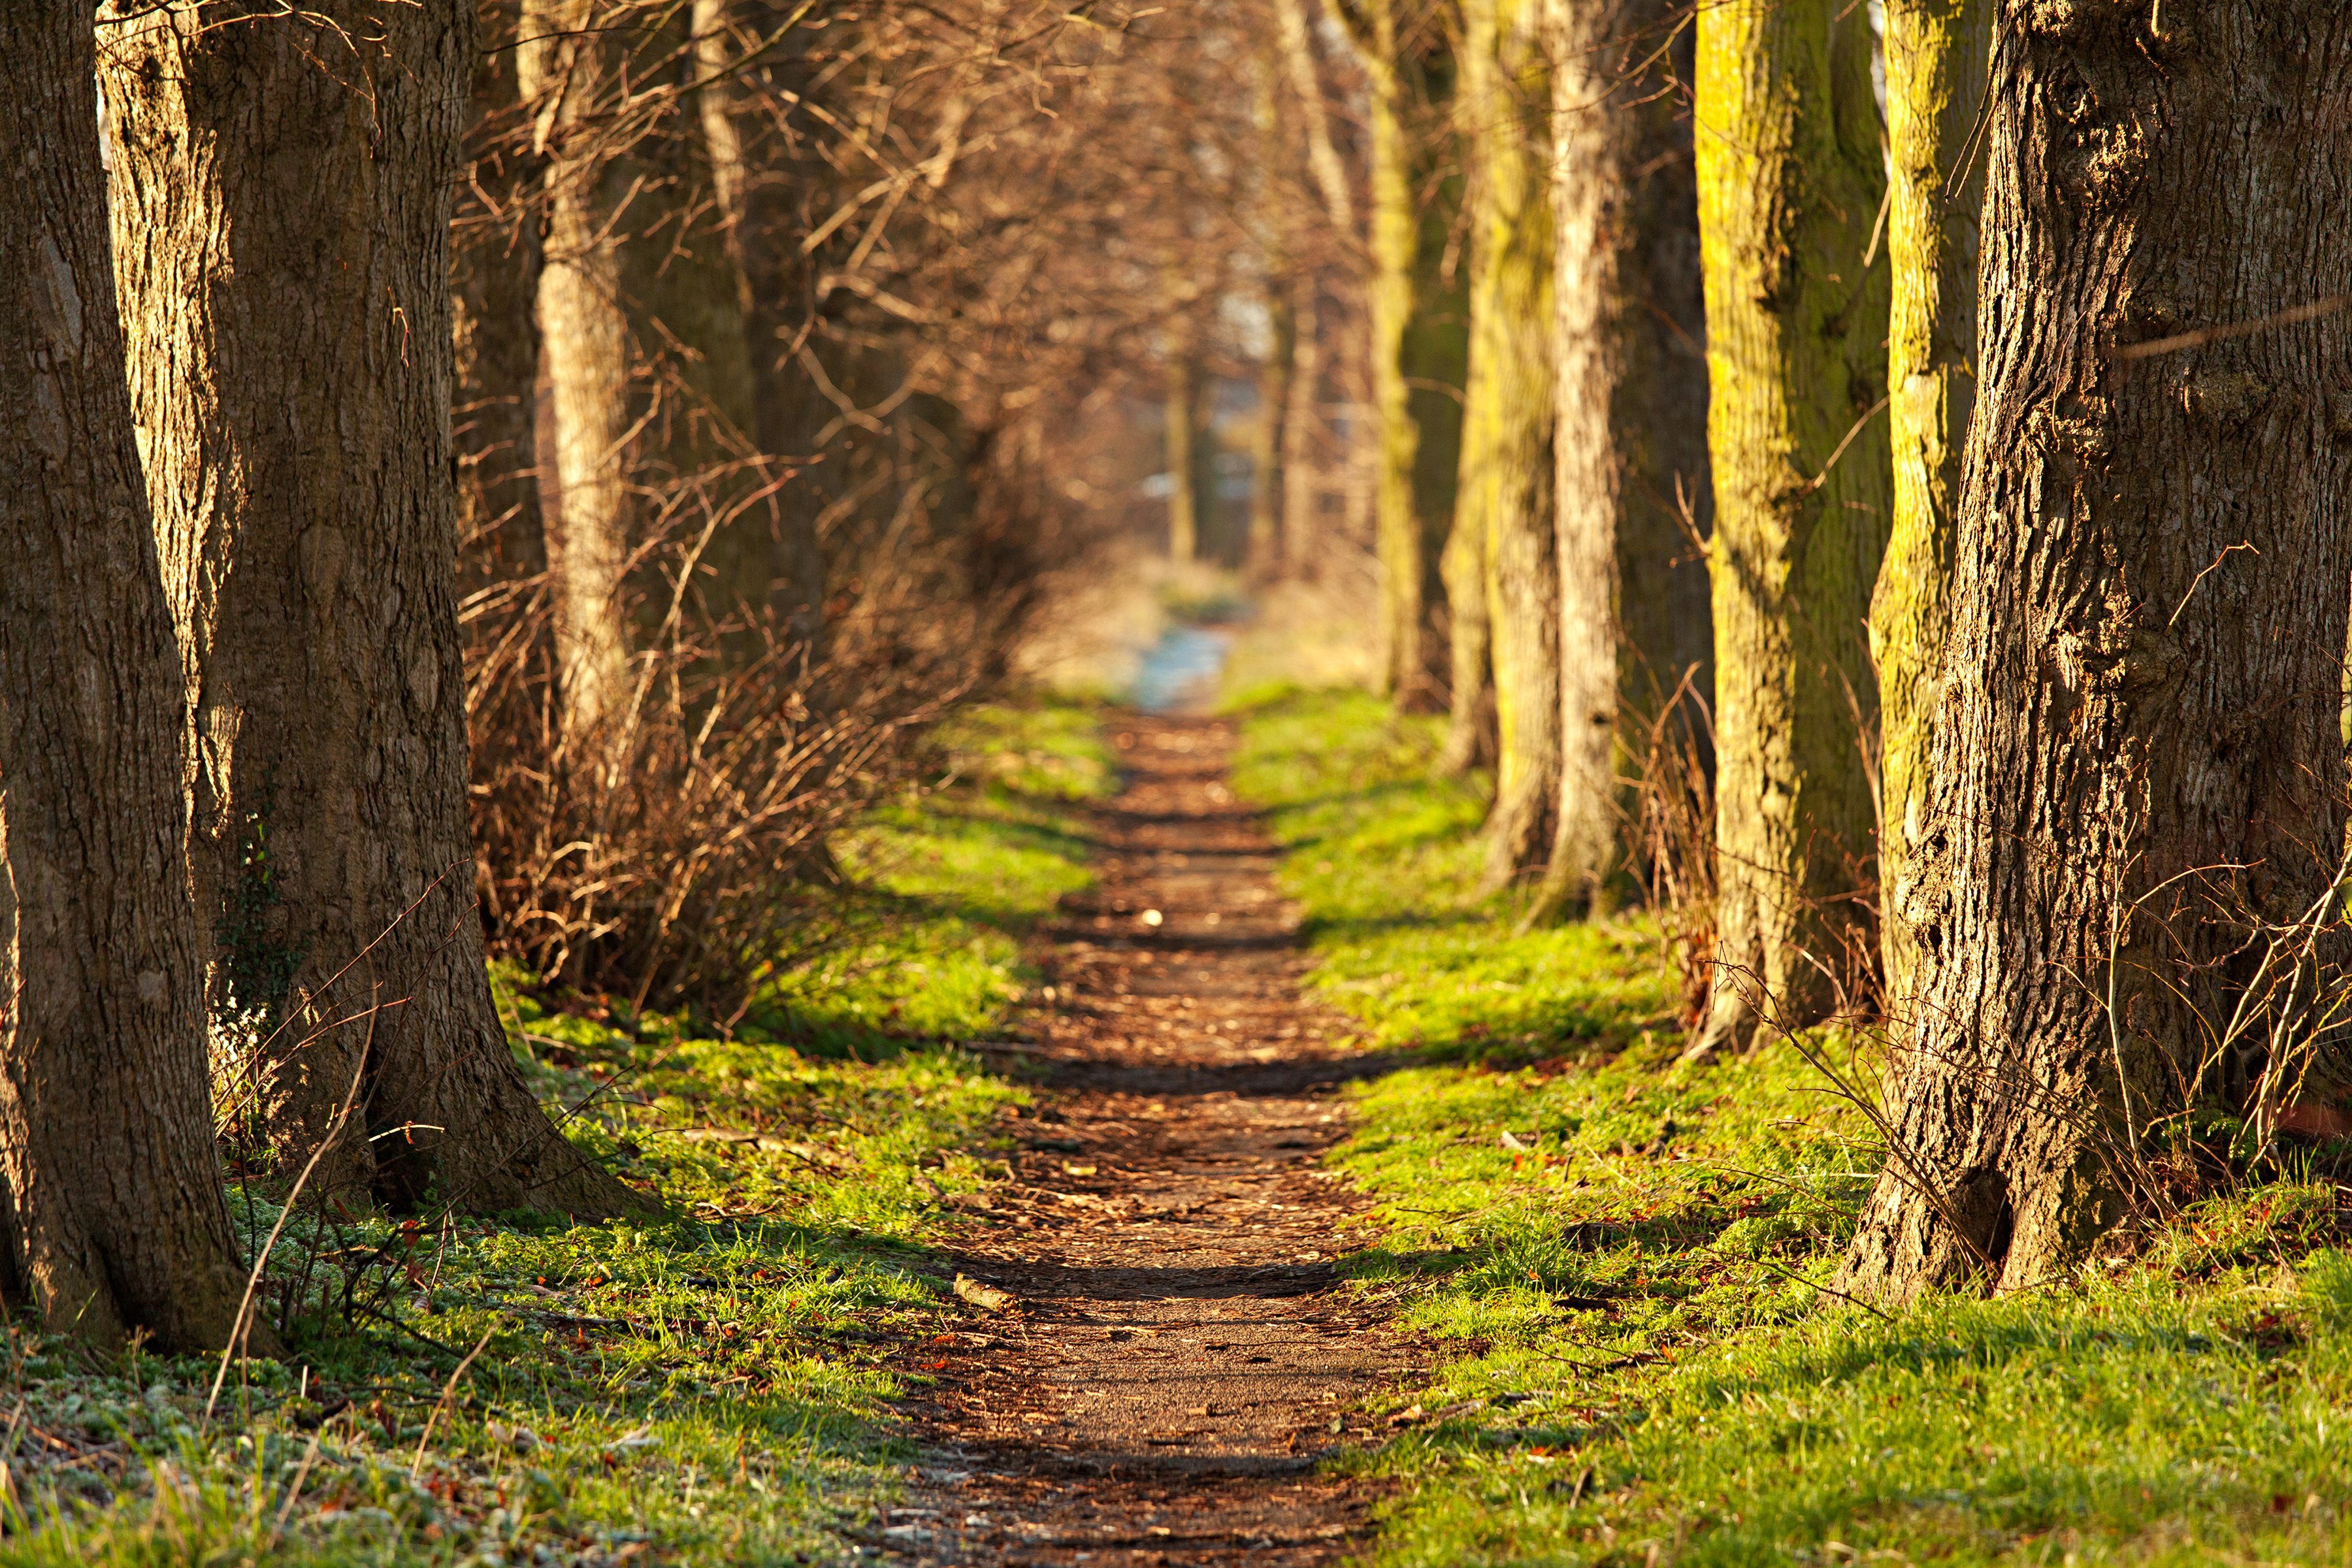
(708,1388)
(1621,1262)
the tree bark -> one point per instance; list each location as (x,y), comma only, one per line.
(1470,719)
(1789,179)
(112,1203)
(1506,459)
(2136,782)
(282,231)
(583,325)
(1935,87)
(1630,437)
(1413,654)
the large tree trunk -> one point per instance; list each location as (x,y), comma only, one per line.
(1413,651)
(282,229)
(583,325)
(111,1210)
(1506,461)
(496,265)
(1790,179)
(1935,87)
(2136,783)
(1631,440)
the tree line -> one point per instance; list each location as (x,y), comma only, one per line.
(498,481)
(1940,507)
(509,480)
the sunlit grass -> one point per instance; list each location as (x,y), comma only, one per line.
(1623,1263)
(707,1388)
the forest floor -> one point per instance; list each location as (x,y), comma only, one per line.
(1177,1351)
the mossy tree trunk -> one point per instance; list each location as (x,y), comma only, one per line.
(1630,439)
(1936,53)
(282,232)
(2136,781)
(1505,498)
(1410,517)
(1790,182)
(110,1217)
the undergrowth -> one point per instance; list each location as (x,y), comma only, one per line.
(707,1388)
(1622,1262)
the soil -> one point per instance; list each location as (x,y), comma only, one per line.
(1178,1359)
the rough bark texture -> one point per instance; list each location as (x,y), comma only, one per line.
(1935,87)
(282,231)
(495,267)
(1631,436)
(584,326)
(2110,723)
(112,1203)
(1507,460)
(1789,179)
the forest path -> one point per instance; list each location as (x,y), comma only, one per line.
(1179,1353)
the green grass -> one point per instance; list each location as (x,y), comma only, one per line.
(708,1388)
(1620,1262)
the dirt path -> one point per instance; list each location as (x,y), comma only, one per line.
(1181,1353)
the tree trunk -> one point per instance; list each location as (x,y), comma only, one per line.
(1470,721)
(283,236)
(1412,658)
(1262,549)
(112,1205)
(763,235)
(1935,87)
(1631,440)
(1302,435)
(685,275)
(1268,538)
(495,267)
(584,326)
(1182,412)
(1506,459)
(2136,791)
(1790,179)
(1291,30)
